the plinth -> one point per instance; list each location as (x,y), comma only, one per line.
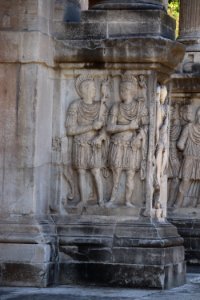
(115,232)
(120,252)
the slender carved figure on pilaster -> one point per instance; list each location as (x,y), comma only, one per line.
(127,124)
(189,143)
(162,123)
(85,123)
(174,157)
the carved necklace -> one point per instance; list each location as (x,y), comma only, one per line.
(129,111)
(88,112)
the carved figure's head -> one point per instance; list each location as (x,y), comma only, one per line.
(163,93)
(128,88)
(86,88)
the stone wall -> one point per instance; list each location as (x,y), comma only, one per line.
(83,182)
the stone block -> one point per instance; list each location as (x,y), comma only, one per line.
(25,253)
(23,149)
(114,24)
(26,274)
(189,230)
(122,275)
(89,254)
(26,15)
(33,47)
(76,31)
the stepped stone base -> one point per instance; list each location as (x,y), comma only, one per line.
(189,230)
(122,253)
(41,251)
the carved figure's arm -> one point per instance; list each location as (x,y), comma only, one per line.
(72,123)
(183,138)
(112,126)
(76,130)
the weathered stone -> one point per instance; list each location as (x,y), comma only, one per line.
(83,156)
(127,4)
(109,24)
(183,186)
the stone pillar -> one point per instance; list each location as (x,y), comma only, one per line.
(183,202)
(26,96)
(112,118)
(189,19)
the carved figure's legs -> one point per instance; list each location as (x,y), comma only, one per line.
(159,158)
(130,174)
(173,189)
(165,159)
(116,178)
(82,185)
(183,188)
(98,184)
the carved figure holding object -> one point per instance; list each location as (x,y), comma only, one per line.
(86,126)
(126,121)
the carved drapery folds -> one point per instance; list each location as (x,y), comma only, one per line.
(107,139)
(162,147)
(184,165)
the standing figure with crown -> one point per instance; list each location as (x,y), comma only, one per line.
(127,124)
(85,124)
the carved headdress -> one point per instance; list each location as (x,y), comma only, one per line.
(83,78)
(128,77)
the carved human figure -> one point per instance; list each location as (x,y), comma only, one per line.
(162,122)
(85,123)
(127,124)
(174,159)
(189,143)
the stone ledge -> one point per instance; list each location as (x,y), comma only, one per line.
(134,50)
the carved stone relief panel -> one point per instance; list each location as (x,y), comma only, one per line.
(106,143)
(184,156)
(111,146)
